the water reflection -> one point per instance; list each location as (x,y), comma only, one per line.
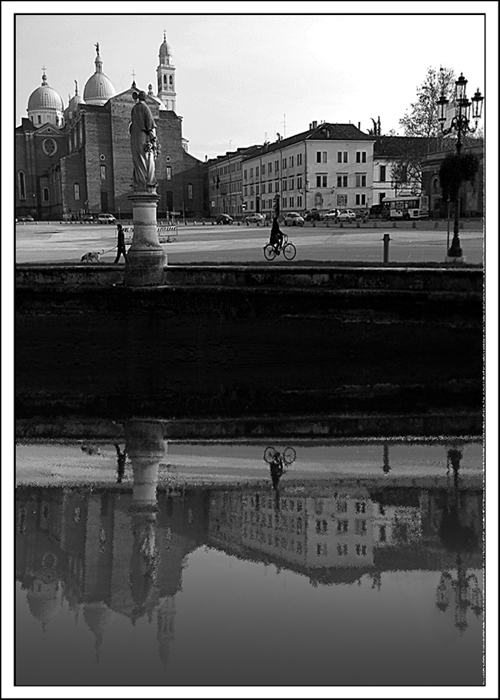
(108,553)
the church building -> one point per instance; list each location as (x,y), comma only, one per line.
(76,161)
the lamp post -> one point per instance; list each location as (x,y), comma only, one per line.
(461,124)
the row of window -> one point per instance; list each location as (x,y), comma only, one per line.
(289,162)
(278,541)
(286,162)
(321,183)
(293,202)
(360,527)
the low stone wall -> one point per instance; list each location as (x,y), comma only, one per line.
(392,278)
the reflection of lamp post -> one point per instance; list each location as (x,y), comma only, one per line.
(461,124)
(465,587)
(466,591)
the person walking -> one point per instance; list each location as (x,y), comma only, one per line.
(121,250)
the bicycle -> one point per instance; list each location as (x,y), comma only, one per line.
(289,455)
(288,249)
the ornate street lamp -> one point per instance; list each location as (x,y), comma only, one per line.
(461,124)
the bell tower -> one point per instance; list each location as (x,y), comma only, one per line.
(166,75)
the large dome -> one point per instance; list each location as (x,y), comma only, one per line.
(45,97)
(98,88)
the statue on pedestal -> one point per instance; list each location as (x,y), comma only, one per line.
(144,145)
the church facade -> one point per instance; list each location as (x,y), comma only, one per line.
(76,162)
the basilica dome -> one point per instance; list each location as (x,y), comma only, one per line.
(45,97)
(98,88)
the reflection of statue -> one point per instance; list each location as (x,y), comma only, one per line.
(143,144)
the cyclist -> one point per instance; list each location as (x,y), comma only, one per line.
(276,237)
(277,467)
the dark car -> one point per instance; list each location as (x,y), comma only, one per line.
(377,211)
(312,215)
(224,219)
(25,218)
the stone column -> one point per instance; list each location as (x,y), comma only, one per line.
(145,447)
(145,258)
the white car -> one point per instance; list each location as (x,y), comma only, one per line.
(293,218)
(106,219)
(331,215)
(254,219)
(346,215)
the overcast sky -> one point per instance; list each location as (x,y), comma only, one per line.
(241,78)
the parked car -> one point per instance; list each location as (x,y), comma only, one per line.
(346,215)
(25,218)
(106,219)
(331,215)
(224,219)
(361,214)
(377,211)
(293,218)
(312,215)
(254,219)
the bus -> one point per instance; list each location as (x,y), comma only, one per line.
(410,207)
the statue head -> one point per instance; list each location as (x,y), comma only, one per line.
(141,95)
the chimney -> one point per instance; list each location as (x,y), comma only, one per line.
(359,126)
(314,125)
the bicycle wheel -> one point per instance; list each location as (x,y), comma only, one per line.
(289,251)
(289,455)
(269,453)
(269,252)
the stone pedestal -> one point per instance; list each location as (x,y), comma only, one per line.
(145,258)
(145,448)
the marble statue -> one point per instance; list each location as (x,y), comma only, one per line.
(143,143)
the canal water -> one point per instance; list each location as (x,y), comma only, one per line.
(145,561)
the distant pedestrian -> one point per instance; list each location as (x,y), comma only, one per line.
(121,250)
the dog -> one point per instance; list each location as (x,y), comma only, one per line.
(92,257)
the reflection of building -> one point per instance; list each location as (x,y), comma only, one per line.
(310,534)
(109,554)
(94,547)
(75,161)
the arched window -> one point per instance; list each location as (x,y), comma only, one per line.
(46,194)
(171,80)
(22,184)
(165,79)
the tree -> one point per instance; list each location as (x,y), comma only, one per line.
(422,119)
(454,170)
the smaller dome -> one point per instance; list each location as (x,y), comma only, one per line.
(74,101)
(165,52)
(45,97)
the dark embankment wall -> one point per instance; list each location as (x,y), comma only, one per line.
(235,351)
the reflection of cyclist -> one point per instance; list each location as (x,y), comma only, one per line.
(276,237)
(277,469)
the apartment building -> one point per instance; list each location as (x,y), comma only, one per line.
(328,166)
(223,183)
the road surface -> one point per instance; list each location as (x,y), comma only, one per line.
(54,242)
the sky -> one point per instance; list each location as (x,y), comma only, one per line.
(242,78)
